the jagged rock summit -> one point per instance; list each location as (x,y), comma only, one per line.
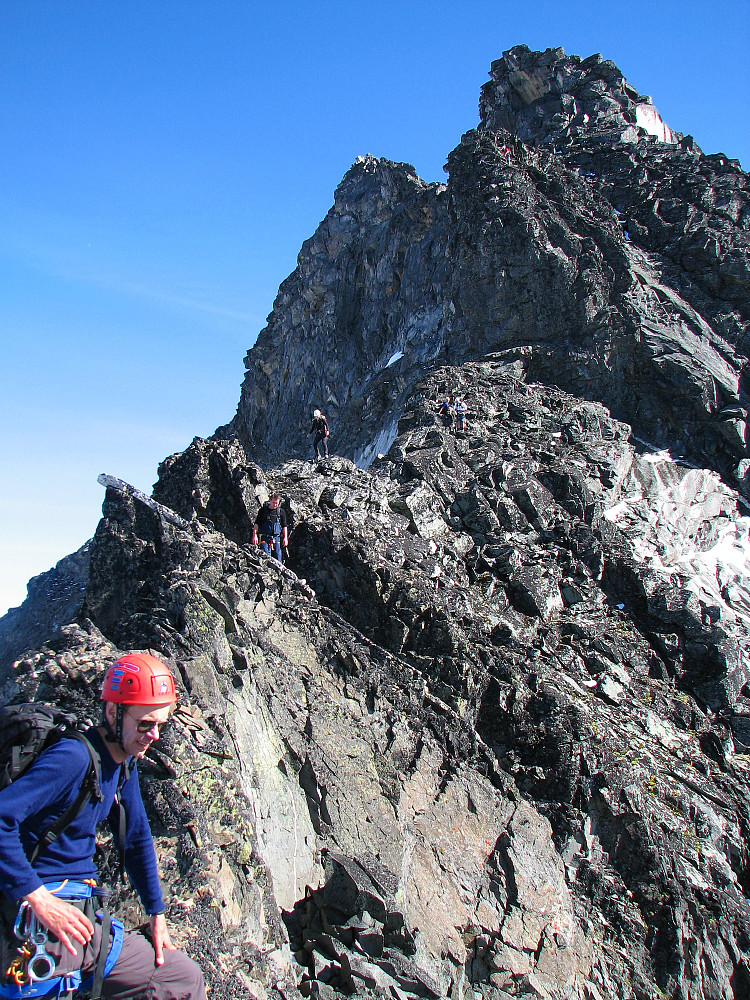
(487,732)
(618,258)
(553,98)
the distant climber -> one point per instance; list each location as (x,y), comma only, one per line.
(322,433)
(459,405)
(271,528)
(506,151)
(446,411)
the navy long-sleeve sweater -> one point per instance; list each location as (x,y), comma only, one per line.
(42,794)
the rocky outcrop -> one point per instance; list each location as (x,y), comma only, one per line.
(53,599)
(551,270)
(486,732)
(550,97)
(685,219)
(673,200)
(483,732)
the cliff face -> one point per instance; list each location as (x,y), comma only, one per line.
(691,209)
(620,259)
(486,733)
(358,321)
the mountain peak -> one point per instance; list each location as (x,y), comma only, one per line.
(573,223)
(550,98)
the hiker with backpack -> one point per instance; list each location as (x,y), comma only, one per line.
(461,409)
(54,932)
(320,429)
(271,528)
(446,411)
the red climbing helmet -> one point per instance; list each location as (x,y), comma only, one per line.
(139,679)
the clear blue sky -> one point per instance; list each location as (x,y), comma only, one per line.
(163,160)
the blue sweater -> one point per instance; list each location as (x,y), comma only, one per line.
(42,794)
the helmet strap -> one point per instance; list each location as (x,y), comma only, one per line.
(115,735)
(118,726)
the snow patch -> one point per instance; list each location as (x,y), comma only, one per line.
(649,119)
(394,358)
(380,446)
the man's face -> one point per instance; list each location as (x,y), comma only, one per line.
(140,727)
(273,503)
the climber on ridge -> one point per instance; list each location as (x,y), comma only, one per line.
(57,887)
(271,527)
(461,408)
(320,429)
(446,411)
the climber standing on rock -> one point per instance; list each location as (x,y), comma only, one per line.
(461,408)
(322,433)
(446,411)
(271,528)
(54,932)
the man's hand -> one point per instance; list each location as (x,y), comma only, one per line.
(160,937)
(65,921)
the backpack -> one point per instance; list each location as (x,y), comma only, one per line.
(27,730)
(287,507)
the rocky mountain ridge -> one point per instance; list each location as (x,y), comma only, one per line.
(487,732)
(621,261)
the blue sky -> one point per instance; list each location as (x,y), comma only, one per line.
(162,162)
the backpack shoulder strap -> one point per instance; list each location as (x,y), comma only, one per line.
(94,777)
(90,789)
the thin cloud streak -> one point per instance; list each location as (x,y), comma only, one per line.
(50,261)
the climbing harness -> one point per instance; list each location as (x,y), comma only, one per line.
(31,971)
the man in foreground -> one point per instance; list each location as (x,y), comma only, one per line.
(138,695)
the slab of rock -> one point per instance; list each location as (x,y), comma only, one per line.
(535,591)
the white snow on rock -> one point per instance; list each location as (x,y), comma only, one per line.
(380,446)
(685,526)
(394,358)
(649,119)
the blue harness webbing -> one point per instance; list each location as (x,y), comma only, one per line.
(270,528)
(59,985)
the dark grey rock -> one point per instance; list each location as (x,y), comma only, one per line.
(53,599)
(535,591)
